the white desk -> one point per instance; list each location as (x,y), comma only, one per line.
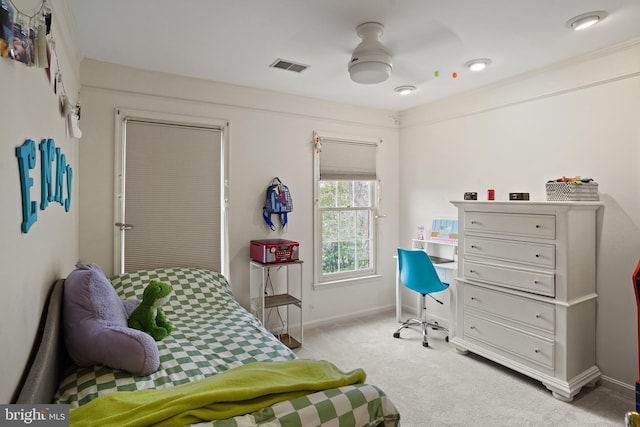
(446,272)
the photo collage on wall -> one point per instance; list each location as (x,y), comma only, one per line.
(22,37)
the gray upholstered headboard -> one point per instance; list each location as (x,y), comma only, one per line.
(44,374)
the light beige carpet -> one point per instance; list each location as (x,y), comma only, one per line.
(436,386)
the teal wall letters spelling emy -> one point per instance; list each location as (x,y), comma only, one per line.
(50,190)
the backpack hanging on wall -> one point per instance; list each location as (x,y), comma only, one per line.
(278,201)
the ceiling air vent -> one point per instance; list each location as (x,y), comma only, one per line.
(288,65)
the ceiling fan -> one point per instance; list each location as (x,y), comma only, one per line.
(370,61)
(429,46)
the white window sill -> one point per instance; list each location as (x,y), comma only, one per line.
(346,281)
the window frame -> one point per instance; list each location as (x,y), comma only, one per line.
(321,279)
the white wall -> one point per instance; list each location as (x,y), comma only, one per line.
(581,117)
(270,135)
(31,262)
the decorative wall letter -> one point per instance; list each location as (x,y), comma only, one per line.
(61,165)
(26,155)
(27,160)
(67,202)
(47,152)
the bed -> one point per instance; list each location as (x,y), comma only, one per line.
(212,336)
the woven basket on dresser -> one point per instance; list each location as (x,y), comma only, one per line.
(570,191)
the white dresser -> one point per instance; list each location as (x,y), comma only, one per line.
(525,295)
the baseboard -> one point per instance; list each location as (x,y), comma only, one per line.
(353,315)
(627,390)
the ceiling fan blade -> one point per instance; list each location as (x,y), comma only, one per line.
(419,53)
(433,36)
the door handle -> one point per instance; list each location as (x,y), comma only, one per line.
(123,226)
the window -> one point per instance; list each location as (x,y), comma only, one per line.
(346,202)
(346,212)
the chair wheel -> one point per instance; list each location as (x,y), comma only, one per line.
(425,344)
(396,334)
(446,338)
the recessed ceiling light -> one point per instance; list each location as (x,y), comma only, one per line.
(586,20)
(405,90)
(478,64)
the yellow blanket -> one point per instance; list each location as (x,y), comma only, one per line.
(238,391)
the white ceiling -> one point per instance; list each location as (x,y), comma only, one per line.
(235,41)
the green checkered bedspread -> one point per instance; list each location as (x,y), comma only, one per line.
(213,333)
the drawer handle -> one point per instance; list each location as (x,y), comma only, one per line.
(537,255)
(471,271)
(537,350)
(473,246)
(473,298)
(472,327)
(538,226)
(535,282)
(474,222)
(538,316)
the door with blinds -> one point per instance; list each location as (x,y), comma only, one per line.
(170,210)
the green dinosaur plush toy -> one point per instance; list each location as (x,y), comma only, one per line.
(148,316)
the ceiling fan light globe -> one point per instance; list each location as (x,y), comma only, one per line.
(370,72)
(370,69)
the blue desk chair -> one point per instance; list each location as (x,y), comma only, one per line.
(418,274)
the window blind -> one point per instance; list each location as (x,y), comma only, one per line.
(347,160)
(172,196)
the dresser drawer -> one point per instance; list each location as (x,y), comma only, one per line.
(526,225)
(535,282)
(532,313)
(531,348)
(537,254)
